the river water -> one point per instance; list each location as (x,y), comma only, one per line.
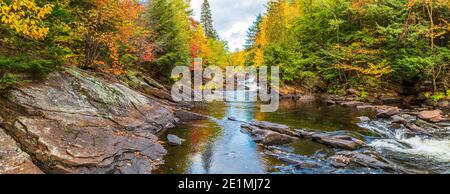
(218,146)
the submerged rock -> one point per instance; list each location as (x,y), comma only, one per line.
(174,140)
(363,158)
(75,123)
(12,159)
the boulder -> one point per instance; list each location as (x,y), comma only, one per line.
(351,104)
(266,136)
(280,128)
(73,122)
(12,159)
(307,98)
(298,161)
(418,130)
(337,139)
(330,102)
(366,107)
(398,119)
(174,140)
(184,115)
(387,111)
(364,158)
(363,119)
(434,116)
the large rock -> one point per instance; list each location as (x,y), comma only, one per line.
(12,159)
(363,119)
(174,140)
(75,123)
(351,104)
(280,128)
(434,116)
(185,115)
(364,158)
(336,139)
(266,136)
(387,111)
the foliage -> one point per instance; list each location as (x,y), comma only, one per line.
(25,17)
(363,96)
(355,42)
(438,97)
(170,24)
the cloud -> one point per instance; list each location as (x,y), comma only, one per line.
(232,18)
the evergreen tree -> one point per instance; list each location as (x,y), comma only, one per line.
(169,21)
(252,33)
(207,21)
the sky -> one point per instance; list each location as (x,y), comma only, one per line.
(232,18)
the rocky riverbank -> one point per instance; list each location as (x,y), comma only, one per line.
(350,150)
(77,122)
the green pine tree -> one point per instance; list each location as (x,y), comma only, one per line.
(207,21)
(169,21)
(252,33)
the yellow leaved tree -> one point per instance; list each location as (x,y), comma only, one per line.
(25,17)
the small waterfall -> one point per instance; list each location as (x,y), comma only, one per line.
(434,150)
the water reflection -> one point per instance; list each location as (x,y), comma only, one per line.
(218,146)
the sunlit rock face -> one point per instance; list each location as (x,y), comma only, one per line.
(74,123)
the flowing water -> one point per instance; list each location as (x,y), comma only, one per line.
(219,146)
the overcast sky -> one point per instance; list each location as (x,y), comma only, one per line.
(232,18)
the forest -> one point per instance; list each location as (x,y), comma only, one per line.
(323,46)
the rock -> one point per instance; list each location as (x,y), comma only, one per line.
(185,115)
(75,123)
(363,119)
(266,136)
(387,111)
(150,81)
(365,158)
(307,98)
(330,102)
(298,161)
(396,125)
(283,129)
(434,116)
(174,140)
(338,141)
(12,159)
(353,92)
(444,104)
(398,119)
(351,104)
(391,99)
(418,130)
(366,107)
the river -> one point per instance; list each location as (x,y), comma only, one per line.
(218,146)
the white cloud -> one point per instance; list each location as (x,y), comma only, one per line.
(232,18)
